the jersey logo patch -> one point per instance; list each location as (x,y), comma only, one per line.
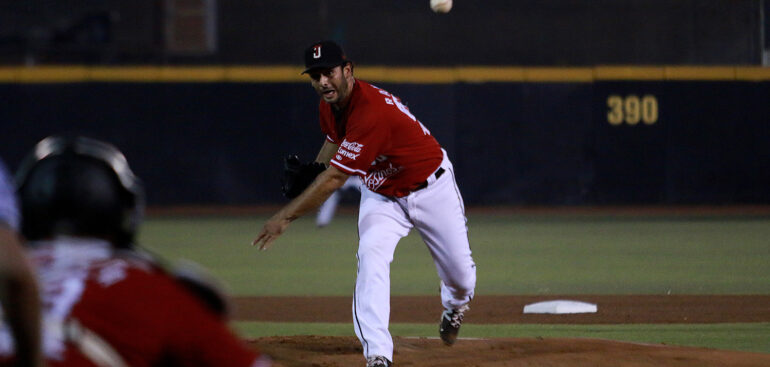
(352,146)
(375,179)
(349,149)
(347,154)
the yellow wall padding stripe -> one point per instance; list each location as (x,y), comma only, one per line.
(386,74)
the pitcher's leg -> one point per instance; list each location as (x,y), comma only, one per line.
(382,224)
(456,269)
(439,215)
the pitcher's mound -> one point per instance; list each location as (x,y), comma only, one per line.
(332,351)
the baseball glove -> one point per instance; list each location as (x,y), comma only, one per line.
(298,176)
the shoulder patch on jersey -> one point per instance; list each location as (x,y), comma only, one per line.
(112,272)
(349,149)
(352,146)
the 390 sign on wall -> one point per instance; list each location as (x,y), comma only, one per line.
(632,109)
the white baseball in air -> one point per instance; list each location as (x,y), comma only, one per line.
(441,6)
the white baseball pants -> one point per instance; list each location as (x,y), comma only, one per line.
(438,213)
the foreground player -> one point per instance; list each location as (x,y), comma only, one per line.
(327,209)
(18,288)
(408,181)
(105,302)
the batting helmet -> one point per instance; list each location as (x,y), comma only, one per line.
(79,187)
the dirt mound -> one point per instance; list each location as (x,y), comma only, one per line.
(327,351)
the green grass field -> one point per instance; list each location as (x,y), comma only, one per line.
(515,254)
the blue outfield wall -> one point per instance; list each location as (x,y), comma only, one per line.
(523,143)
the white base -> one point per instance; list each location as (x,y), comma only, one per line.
(560,307)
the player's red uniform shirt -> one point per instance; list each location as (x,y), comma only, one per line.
(140,311)
(381,141)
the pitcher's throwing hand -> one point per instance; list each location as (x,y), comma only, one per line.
(272,229)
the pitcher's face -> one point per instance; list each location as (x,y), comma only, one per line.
(333,84)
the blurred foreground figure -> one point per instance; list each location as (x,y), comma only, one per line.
(106,303)
(329,207)
(18,290)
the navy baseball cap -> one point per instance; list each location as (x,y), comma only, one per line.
(324,55)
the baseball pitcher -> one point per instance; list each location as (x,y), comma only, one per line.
(407,182)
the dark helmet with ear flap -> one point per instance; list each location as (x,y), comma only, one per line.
(79,187)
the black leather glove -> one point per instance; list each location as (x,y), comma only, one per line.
(298,176)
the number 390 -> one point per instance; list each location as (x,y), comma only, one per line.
(632,109)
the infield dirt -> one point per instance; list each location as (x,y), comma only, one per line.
(330,351)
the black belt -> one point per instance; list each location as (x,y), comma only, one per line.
(424,184)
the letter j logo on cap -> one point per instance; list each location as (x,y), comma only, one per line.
(317,51)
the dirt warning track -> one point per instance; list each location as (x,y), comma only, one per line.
(611,309)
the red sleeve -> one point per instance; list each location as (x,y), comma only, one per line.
(365,139)
(327,122)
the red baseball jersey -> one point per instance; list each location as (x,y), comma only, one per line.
(381,141)
(133,306)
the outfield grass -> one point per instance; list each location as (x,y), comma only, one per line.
(515,255)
